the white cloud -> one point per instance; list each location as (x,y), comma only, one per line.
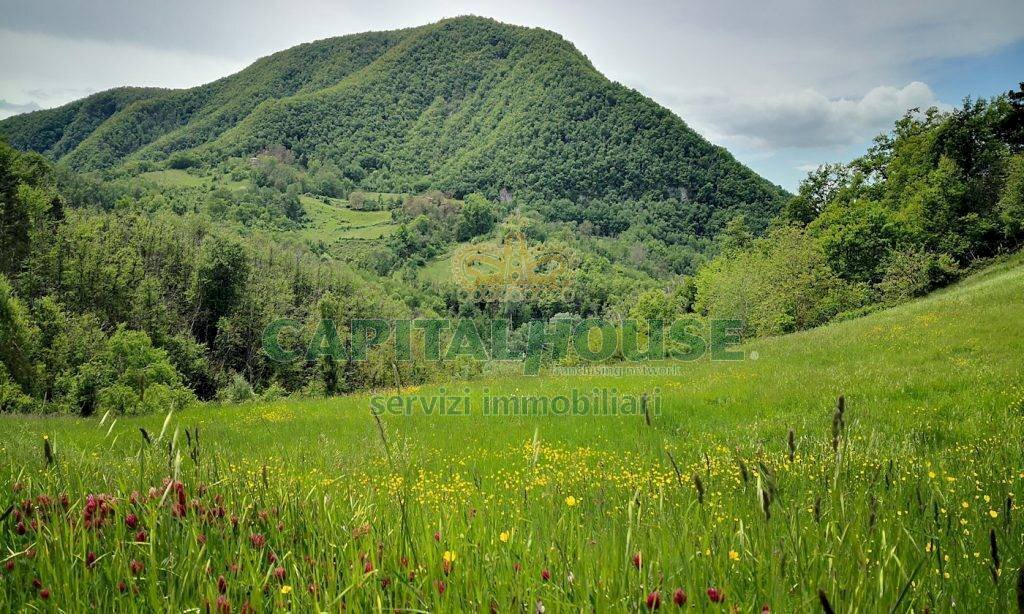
(804,118)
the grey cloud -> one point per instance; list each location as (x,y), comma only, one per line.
(44,95)
(229,28)
(802,34)
(8,109)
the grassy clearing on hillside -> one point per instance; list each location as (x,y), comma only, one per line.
(330,221)
(368,232)
(295,504)
(440,269)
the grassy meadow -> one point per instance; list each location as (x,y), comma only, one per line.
(332,221)
(177,178)
(745,492)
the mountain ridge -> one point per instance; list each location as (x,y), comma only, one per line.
(464,104)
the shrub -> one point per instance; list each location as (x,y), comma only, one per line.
(912,272)
(238,390)
(119,399)
(780,284)
(12,398)
(273,392)
(1011,202)
(182,160)
(130,376)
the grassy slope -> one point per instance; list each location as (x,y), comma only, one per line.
(332,221)
(933,386)
(936,369)
(440,269)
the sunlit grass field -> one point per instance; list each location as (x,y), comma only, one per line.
(746,491)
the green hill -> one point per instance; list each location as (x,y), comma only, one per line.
(463,105)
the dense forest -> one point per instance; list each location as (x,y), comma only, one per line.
(151,236)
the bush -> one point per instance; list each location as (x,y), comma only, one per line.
(780,284)
(1011,202)
(18,338)
(182,160)
(912,272)
(273,393)
(12,398)
(357,200)
(119,399)
(161,398)
(239,390)
(130,376)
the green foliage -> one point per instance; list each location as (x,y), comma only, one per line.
(477,217)
(57,132)
(18,339)
(237,391)
(782,283)
(854,235)
(220,276)
(137,370)
(822,186)
(925,203)
(911,272)
(1011,202)
(13,217)
(655,304)
(12,397)
(1011,127)
(182,160)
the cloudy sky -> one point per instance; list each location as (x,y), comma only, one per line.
(785,85)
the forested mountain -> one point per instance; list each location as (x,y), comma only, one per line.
(464,105)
